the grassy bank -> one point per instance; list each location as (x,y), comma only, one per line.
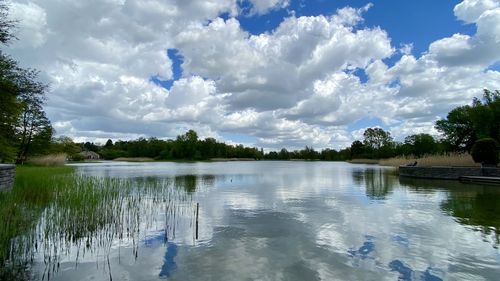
(51,209)
(20,210)
(364,161)
(452,159)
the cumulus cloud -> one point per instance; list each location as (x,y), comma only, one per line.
(263,6)
(292,86)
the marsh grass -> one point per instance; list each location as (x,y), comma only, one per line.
(451,159)
(364,161)
(134,159)
(49,160)
(52,210)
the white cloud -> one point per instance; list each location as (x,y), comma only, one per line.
(470,10)
(263,6)
(32,25)
(296,85)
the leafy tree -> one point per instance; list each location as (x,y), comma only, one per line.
(109,143)
(377,138)
(283,154)
(64,144)
(90,146)
(357,149)
(6,25)
(421,144)
(33,126)
(186,145)
(458,128)
(485,151)
(24,128)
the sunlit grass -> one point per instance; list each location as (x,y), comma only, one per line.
(49,160)
(451,159)
(62,208)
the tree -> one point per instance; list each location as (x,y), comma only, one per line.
(421,144)
(377,138)
(458,128)
(357,149)
(485,151)
(34,133)
(64,144)
(33,124)
(185,146)
(24,128)
(109,143)
(6,25)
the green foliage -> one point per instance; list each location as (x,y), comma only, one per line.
(77,157)
(110,154)
(357,150)
(377,138)
(485,151)
(51,210)
(420,145)
(24,128)
(184,147)
(64,144)
(465,124)
(6,25)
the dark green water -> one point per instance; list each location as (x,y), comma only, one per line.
(284,221)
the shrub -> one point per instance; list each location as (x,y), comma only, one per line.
(485,151)
(77,157)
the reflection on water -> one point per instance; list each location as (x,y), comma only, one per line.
(477,206)
(378,183)
(267,221)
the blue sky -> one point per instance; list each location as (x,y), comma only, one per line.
(266,73)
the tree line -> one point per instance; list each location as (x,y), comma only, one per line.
(462,127)
(24,128)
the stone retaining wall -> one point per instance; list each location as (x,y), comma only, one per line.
(446,172)
(7,173)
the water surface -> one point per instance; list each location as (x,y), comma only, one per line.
(285,221)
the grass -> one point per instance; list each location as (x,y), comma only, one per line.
(51,209)
(451,159)
(134,159)
(20,210)
(364,161)
(49,160)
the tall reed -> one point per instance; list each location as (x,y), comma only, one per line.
(450,159)
(53,209)
(49,160)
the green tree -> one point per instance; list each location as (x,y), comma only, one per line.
(458,128)
(6,25)
(33,126)
(377,138)
(421,144)
(64,144)
(24,128)
(186,146)
(357,149)
(109,143)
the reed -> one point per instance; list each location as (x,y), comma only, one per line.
(52,209)
(49,160)
(364,161)
(450,159)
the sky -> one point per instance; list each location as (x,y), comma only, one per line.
(263,73)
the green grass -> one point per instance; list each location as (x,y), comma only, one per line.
(62,208)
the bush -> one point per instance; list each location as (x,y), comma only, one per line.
(485,151)
(77,157)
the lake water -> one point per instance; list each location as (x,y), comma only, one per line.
(285,221)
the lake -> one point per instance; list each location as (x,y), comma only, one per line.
(279,221)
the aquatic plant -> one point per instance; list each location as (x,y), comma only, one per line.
(450,159)
(53,210)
